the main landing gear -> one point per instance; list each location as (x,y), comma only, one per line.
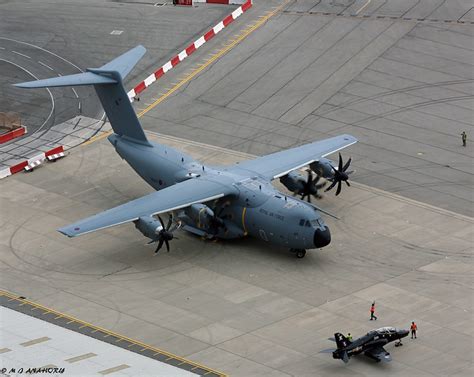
(300,253)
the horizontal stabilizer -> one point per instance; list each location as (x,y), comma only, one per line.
(107,82)
(79,79)
(125,62)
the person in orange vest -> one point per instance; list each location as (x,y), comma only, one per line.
(413,329)
(372,312)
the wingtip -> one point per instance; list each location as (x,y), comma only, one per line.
(65,232)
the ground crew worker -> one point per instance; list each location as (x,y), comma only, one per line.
(413,329)
(464,138)
(372,312)
(349,337)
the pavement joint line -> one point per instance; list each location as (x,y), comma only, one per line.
(107,333)
(195,72)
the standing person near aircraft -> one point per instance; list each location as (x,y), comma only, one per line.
(372,312)
(464,138)
(213,202)
(413,329)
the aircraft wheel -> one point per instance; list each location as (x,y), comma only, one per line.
(300,253)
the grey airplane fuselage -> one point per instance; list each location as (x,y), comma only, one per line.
(256,208)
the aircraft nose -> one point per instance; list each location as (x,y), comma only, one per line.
(403,333)
(322,237)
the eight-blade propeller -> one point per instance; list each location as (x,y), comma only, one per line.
(311,187)
(166,233)
(340,175)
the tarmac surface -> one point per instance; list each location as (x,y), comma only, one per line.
(397,75)
(243,307)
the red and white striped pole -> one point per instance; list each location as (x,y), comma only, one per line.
(246,4)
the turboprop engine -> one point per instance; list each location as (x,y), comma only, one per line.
(323,168)
(156,230)
(205,218)
(336,175)
(149,227)
(306,187)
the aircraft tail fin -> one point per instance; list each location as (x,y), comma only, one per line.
(107,81)
(341,340)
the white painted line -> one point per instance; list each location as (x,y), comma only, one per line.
(43,49)
(75,93)
(19,53)
(47,89)
(45,65)
(2,48)
(363,7)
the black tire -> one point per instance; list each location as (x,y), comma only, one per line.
(300,253)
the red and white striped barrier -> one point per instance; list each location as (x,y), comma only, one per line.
(17,132)
(228,2)
(33,162)
(189,50)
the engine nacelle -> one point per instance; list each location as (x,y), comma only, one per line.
(148,226)
(200,214)
(323,168)
(293,181)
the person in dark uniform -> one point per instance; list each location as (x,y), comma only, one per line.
(464,138)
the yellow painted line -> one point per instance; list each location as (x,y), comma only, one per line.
(82,326)
(59,316)
(199,69)
(71,321)
(33,308)
(46,312)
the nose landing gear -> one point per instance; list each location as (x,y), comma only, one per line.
(300,253)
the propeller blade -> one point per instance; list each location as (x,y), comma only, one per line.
(310,177)
(339,187)
(332,339)
(309,198)
(161,221)
(167,246)
(340,163)
(348,184)
(331,186)
(170,221)
(160,244)
(350,172)
(347,164)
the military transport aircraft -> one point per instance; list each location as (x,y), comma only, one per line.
(370,344)
(215,202)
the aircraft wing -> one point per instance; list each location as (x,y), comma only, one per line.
(278,164)
(379,353)
(180,195)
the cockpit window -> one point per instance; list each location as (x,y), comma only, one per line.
(301,222)
(307,223)
(386,330)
